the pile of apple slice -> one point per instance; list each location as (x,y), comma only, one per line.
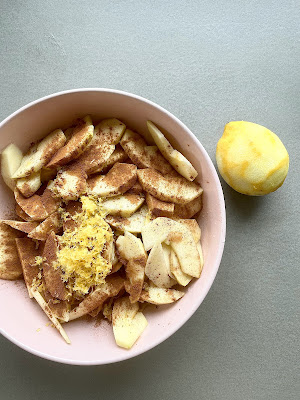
(150,197)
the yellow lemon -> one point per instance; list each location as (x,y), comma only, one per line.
(251,158)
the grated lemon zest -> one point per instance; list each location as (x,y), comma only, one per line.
(79,255)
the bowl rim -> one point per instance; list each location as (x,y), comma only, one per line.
(219,254)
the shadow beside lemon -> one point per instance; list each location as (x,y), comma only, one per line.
(251,158)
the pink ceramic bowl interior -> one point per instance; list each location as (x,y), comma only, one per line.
(21,320)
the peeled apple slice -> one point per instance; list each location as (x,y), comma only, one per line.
(128,323)
(11,158)
(181,240)
(158,267)
(182,278)
(175,158)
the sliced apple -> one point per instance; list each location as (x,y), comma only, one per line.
(130,247)
(199,247)
(175,158)
(182,278)
(47,310)
(157,161)
(33,206)
(173,188)
(96,298)
(110,130)
(118,156)
(70,182)
(114,258)
(125,309)
(156,295)
(60,308)
(134,145)
(26,227)
(158,230)
(82,134)
(180,238)
(11,158)
(118,180)
(52,275)
(22,214)
(107,310)
(116,267)
(128,323)
(159,208)
(50,203)
(72,208)
(132,224)
(134,248)
(136,188)
(188,210)
(47,174)
(158,267)
(29,185)
(10,266)
(124,205)
(192,226)
(133,255)
(108,250)
(40,154)
(52,223)
(187,253)
(135,272)
(28,252)
(142,155)
(95,156)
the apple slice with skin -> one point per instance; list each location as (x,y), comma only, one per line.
(175,158)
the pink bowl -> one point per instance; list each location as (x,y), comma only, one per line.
(21,319)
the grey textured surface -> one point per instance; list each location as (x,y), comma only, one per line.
(208,62)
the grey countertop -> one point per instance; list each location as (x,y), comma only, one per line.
(208,62)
